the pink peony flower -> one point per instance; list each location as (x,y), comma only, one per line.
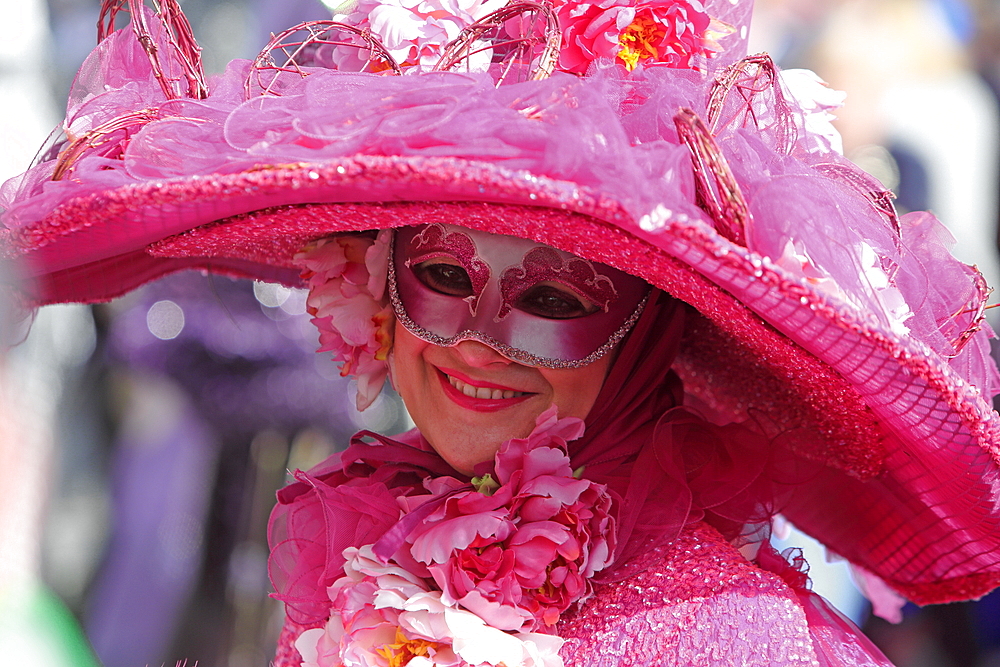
(385,616)
(520,553)
(415,32)
(673,32)
(347,278)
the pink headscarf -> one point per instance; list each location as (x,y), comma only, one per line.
(666,465)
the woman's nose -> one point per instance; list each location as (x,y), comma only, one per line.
(479,355)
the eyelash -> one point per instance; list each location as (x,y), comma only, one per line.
(569,306)
(444,278)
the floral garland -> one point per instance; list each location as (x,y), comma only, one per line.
(672,32)
(474,574)
(346,276)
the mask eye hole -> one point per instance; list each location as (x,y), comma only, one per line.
(444,276)
(554,301)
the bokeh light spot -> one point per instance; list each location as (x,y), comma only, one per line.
(165,320)
(271,295)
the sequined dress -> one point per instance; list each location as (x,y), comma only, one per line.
(698,602)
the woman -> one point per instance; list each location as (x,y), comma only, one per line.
(501,342)
(816,355)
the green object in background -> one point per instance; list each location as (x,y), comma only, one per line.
(37,629)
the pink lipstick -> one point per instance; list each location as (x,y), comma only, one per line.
(488,397)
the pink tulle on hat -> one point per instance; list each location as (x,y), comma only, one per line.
(846,333)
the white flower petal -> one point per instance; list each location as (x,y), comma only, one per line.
(477,643)
(306,643)
(816,100)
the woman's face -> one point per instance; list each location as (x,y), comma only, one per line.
(493,330)
(468,399)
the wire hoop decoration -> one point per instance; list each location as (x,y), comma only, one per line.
(749,93)
(112,135)
(716,189)
(326,44)
(963,324)
(518,42)
(870,187)
(179,72)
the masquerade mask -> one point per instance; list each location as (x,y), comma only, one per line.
(531,303)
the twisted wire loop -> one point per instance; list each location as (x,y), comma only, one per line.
(869,186)
(107,140)
(518,42)
(179,72)
(961,326)
(716,189)
(326,44)
(748,93)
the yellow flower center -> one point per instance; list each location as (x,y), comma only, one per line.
(383,321)
(405,649)
(639,41)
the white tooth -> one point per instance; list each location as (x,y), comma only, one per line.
(453,381)
(508,394)
(483,392)
(469,390)
(497,393)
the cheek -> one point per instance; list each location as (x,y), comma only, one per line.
(407,366)
(575,390)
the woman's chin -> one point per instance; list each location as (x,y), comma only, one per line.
(466,438)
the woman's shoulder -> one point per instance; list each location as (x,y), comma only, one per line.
(695,601)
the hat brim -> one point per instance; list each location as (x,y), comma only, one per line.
(909,448)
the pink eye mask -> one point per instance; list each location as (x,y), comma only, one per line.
(504,273)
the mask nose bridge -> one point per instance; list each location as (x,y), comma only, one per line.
(485,320)
(499,257)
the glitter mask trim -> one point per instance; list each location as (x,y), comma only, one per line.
(547,338)
(541,264)
(434,241)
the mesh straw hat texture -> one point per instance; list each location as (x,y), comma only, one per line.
(822,318)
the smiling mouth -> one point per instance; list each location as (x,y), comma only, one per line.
(483,392)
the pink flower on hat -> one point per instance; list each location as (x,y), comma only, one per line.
(519,550)
(346,277)
(672,32)
(416,31)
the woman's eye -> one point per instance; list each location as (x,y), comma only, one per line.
(553,303)
(444,278)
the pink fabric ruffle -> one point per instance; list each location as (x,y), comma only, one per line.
(341,503)
(835,639)
(564,127)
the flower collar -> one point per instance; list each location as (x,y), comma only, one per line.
(484,573)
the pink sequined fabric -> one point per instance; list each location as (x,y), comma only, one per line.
(698,603)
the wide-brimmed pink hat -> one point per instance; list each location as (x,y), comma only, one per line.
(632,133)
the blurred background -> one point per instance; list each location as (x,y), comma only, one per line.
(142,441)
